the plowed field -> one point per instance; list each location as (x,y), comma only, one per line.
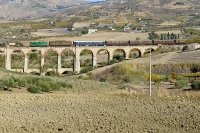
(72,113)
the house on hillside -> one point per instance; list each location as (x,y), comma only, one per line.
(193,46)
(92,31)
(11,42)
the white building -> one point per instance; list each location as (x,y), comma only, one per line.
(92,31)
(193,46)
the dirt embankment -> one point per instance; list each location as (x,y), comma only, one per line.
(165,58)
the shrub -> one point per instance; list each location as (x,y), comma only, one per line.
(9,83)
(180,84)
(80,77)
(185,48)
(104,64)
(180,78)
(36,84)
(124,69)
(195,67)
(22,82)
(87,69)
(196,85)
(44,85)
(34,89)
(112,61)
(174,75)
(1,85)
(127,78)
(54,85)
(65,85)
(33,56)
(104,79)
(69,86)
(118,57)
(121,87)
(166,78)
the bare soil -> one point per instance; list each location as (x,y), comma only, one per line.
(72,113)
(118,36)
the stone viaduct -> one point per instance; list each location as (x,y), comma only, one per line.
(8,51)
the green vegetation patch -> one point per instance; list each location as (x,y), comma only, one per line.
(121,20)
(64,24)
(34,84)
(184,67)
(193,31)
(193,40)
(132,20)
(196,85)
(124,73)
(38,5)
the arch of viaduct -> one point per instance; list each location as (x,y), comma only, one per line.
(8,51)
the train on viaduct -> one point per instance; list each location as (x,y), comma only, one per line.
(59,46)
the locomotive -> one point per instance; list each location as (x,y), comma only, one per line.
(63,43)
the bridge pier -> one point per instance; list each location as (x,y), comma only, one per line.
(77,60)
(8,59)
(94,61)
(59,64)
(110,57)
(42,61)
(142,52)
(26,63)
(127,55)
(77,64)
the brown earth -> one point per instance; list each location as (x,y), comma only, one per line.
(72,113)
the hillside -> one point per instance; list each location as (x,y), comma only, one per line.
(35,8)
(172,57)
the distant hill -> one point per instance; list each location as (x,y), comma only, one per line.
(33,8)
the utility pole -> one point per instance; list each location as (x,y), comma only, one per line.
(150,71)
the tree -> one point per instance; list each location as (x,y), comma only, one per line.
(196,85)
(137,38)
(153,35)
(43,69)
(22,30)
(19,44)
(69,28)
(161,37)
(168,36)
(172,36)
(33,56)
(174,75)
(85,31)
(155,78)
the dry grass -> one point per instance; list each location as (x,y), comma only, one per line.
(121,20)
(131,20)
(102,20)
(158,93)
